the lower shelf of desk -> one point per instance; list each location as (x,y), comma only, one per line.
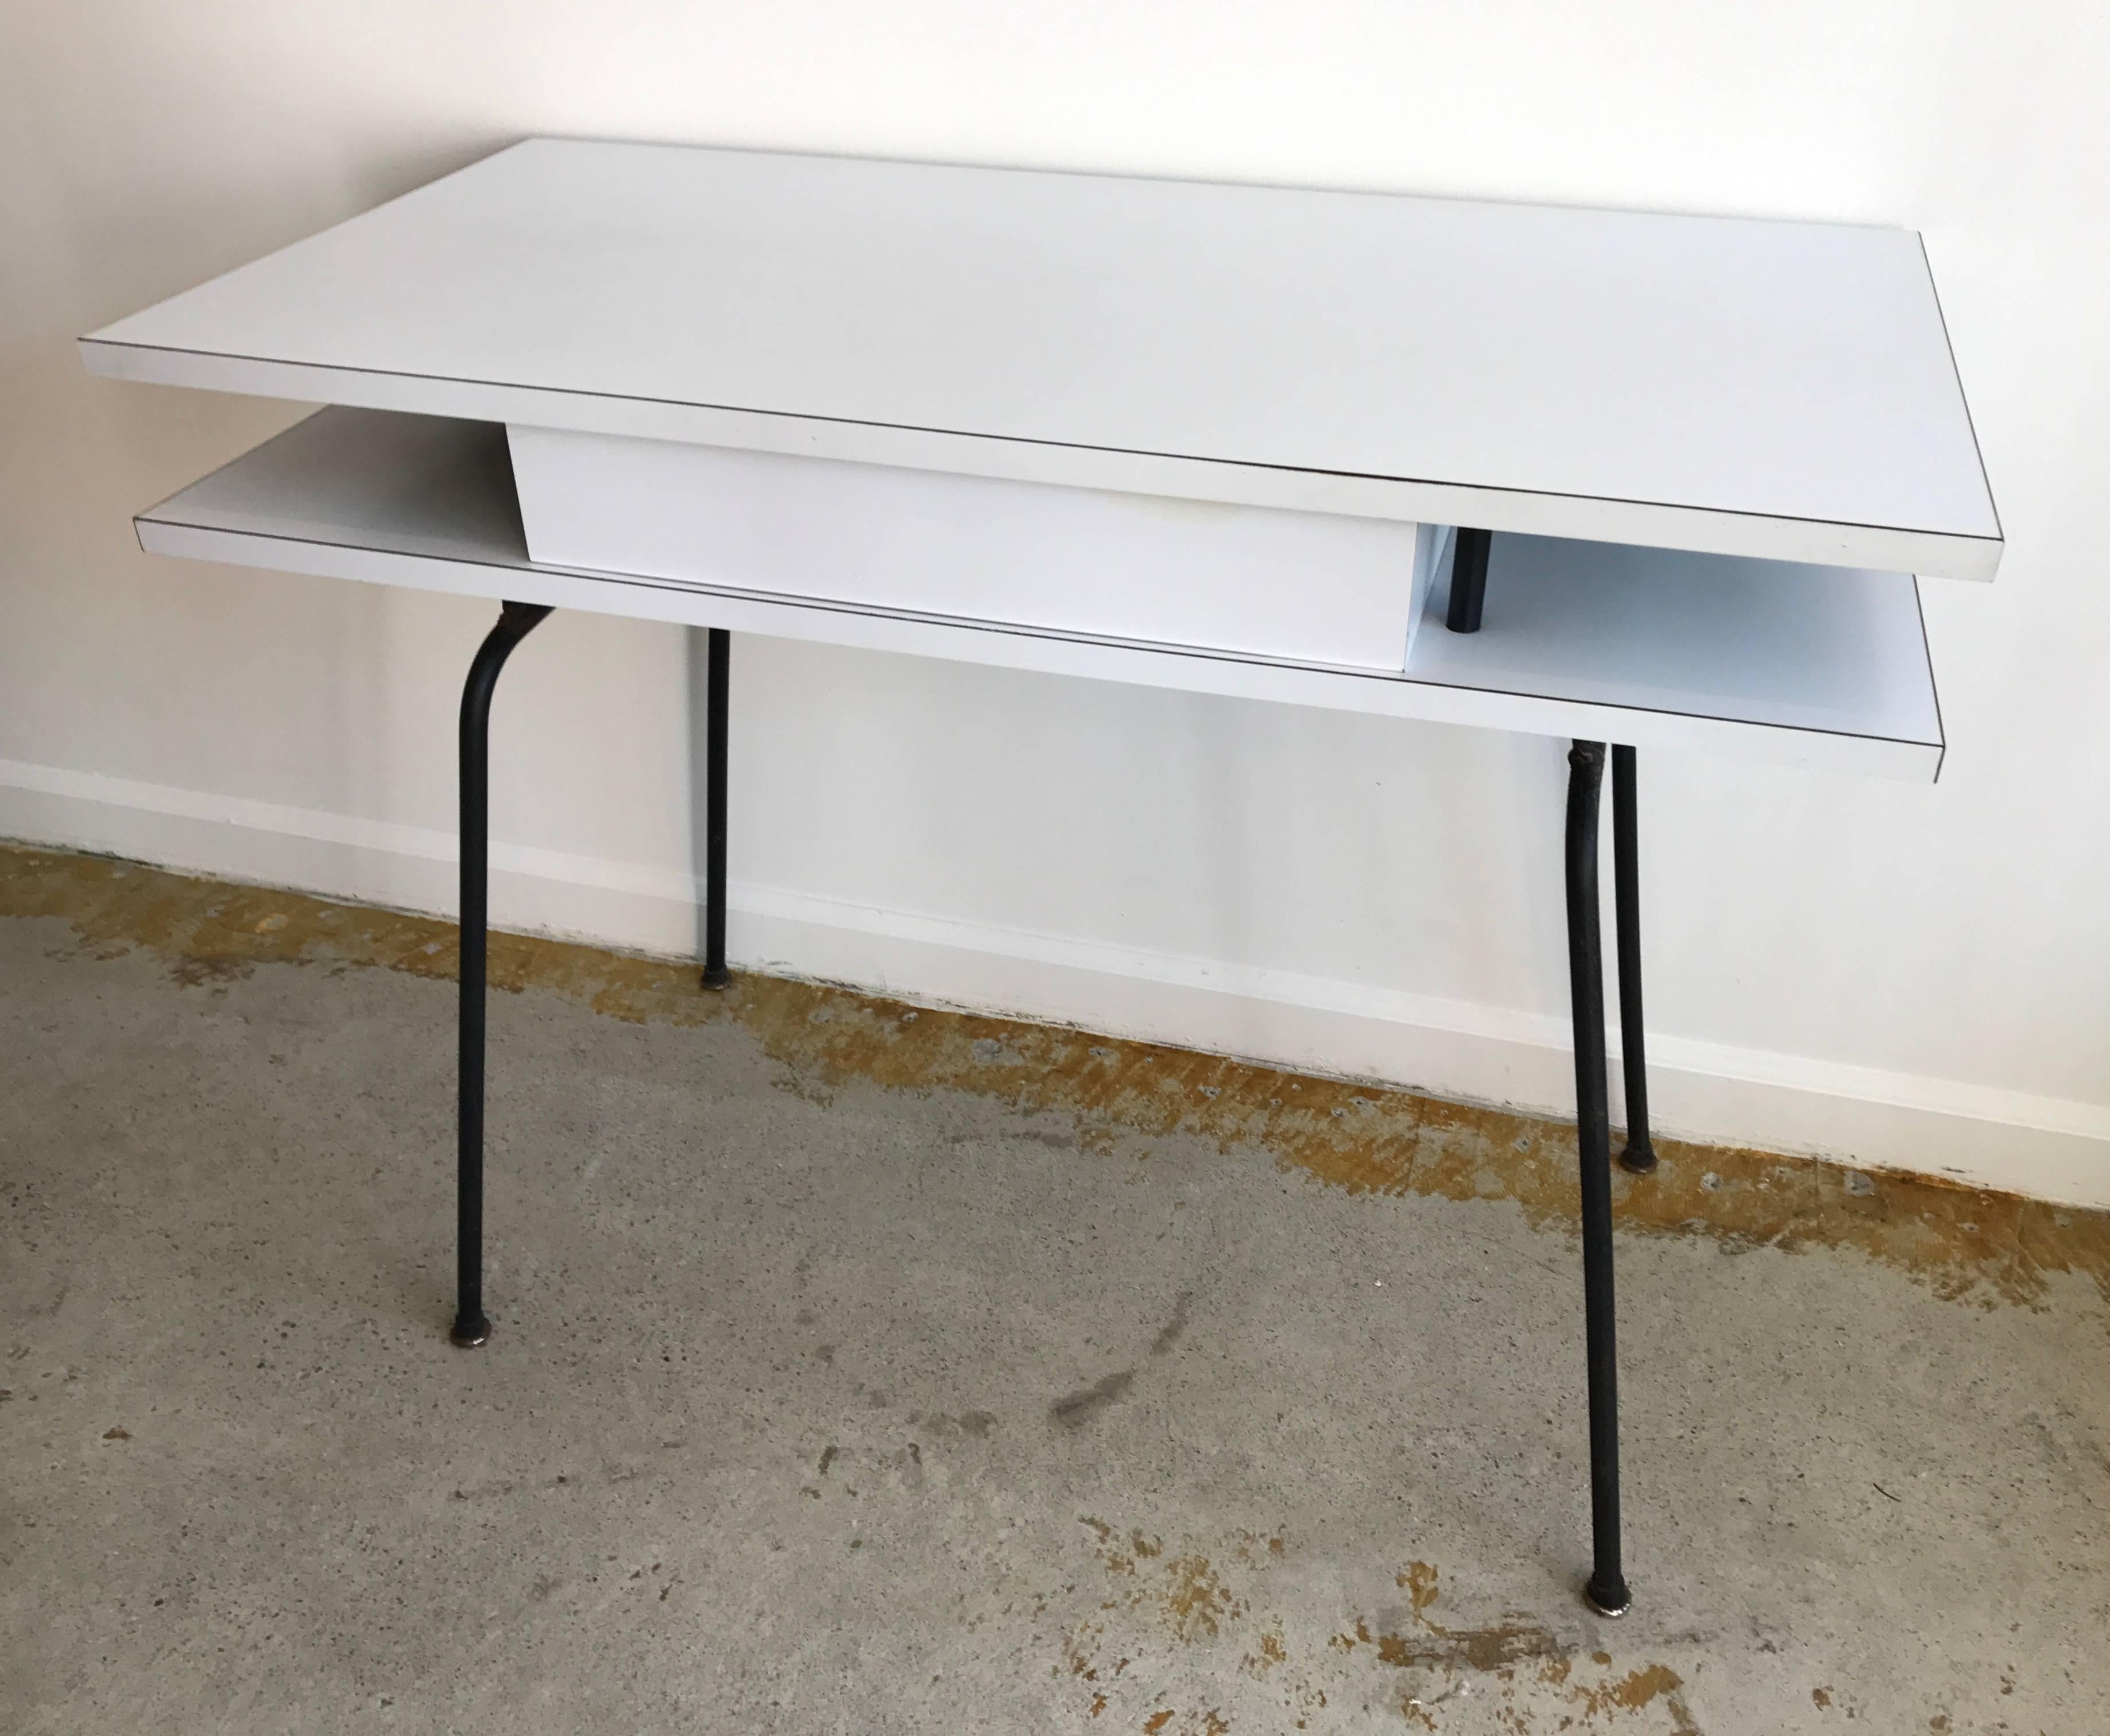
(1815,665)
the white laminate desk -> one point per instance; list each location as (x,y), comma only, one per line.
(1618,477)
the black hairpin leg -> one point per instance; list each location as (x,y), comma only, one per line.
(715,974)
(1639,1155)
(515,621)
(1607,1590)
(1469,578)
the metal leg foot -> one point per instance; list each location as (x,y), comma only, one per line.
(515,621)
(715,974)
(1639,1155)
(1607,1588)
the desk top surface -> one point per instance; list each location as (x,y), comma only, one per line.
(1733,374)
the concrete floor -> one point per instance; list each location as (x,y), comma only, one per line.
(863,1370)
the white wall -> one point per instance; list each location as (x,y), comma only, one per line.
(1898,974)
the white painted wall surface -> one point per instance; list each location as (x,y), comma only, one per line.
(1879,972)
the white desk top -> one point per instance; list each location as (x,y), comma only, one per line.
(1762,388)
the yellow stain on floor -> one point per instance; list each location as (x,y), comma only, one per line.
(1963,1242)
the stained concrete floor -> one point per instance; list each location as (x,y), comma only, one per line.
(864,1369)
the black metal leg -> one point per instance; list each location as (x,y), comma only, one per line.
(1607,1590)
(515,621)
(715,974)
(1639,1155)
(1469,579)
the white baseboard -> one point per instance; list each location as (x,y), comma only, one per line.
(2049,1147)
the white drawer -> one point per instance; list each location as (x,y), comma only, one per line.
(1310,588)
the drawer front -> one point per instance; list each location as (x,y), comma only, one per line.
(1305,587)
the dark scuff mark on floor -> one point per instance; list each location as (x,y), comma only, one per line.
(1174,1329)
(1081,1407)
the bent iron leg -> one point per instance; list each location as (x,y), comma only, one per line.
(1639,1155)
(715,726)
(1607,1589)
(515,621)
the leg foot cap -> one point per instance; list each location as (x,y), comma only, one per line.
(1639,1158)
(1614,1600)
(469,1333)
(716,977)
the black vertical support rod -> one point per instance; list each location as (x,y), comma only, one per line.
(1639,1155)
(1607,1590)
(515,621)
(715,719)
(1469,579)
